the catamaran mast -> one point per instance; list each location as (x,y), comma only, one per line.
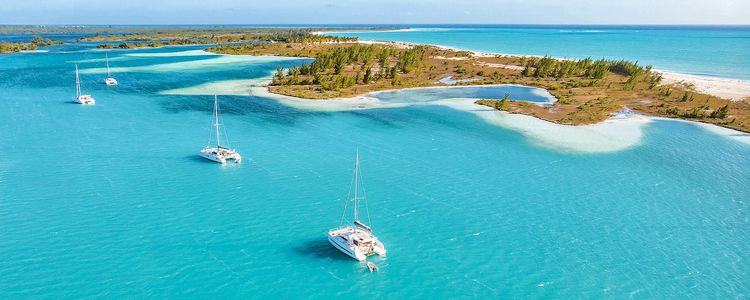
(216,115)
(78,84)
(356,184)
(106,59)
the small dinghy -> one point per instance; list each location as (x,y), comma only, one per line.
(372,266)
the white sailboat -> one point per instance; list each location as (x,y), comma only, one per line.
(219,153)
(109,80)
(356,239)
(80,98)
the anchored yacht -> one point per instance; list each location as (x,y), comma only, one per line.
(109,80)
(80,98)
(218,153)
(355,239)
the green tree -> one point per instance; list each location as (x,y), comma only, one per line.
(503,103)
(278,76)
(368,75)
(686,97)
(721,113)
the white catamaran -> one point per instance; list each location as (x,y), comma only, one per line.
(219,153)
(355,240)
(109,80)
(82,99)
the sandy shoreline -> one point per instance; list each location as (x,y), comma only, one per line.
(619,132)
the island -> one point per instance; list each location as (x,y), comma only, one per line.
(35,43)
(215,36)
(588,91)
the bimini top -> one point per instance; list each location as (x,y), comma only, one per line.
(362,226)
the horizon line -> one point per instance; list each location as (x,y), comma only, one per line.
(377,24)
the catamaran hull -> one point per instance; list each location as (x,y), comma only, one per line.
(338,244)
(85,99)
(110,81)
(212,157)
(219,154)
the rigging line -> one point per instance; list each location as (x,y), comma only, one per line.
(343,214)
(346,202)
(223,129)
(355,178)
(211,128)
(364,197)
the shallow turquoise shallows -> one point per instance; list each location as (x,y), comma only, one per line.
(112,200)
(719,51)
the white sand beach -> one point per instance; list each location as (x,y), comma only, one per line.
(733,89)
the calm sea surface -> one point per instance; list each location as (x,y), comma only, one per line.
(112,200)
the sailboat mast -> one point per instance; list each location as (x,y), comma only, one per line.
(78,84)
(106,59)
(356,184)
(216,115)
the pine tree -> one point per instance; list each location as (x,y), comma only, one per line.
(503,104)
(277,76)
(721,113)
(368,75)
(685,97)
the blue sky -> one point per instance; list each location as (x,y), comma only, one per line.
(374,12)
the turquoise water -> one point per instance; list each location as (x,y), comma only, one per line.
(710,51)
(422,95)
(112,201)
